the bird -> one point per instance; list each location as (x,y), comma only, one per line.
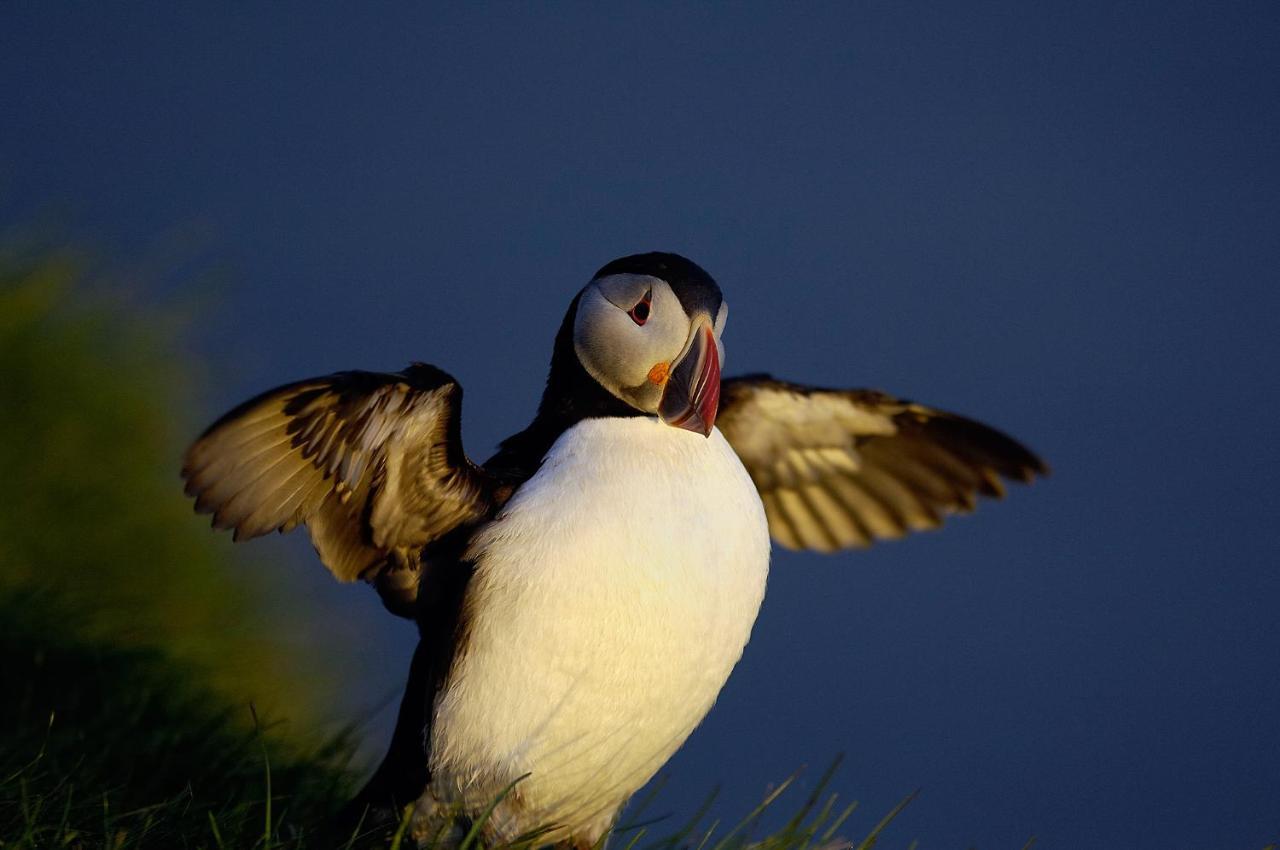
(582,596)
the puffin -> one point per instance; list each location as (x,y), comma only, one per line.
(582,596)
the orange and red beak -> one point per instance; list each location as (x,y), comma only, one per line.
(691,396)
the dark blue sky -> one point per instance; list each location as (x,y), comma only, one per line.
(1064,220)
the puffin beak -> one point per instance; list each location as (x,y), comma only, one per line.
(692,392)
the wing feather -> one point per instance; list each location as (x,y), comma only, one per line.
(779,524)
(842,468)
(372,463)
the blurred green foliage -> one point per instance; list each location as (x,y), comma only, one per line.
(131,644)
(92,425)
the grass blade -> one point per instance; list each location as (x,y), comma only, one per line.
(757,811)
(217,834)
(401,827)
(266,761)
(479,822)
(874,835)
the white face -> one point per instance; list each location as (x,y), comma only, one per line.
(629,330)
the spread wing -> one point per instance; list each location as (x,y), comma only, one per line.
(372,463)
(841,468)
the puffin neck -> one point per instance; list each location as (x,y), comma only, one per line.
(571,395)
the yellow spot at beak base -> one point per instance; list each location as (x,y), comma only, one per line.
(658,374)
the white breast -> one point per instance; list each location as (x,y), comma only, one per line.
(612,597)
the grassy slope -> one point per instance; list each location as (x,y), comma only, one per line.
(111,746)
(126,748)
(128,649)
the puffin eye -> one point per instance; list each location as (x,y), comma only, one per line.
(640,312)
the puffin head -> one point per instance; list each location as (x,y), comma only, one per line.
(647,329)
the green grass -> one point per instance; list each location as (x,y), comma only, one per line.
(124,747)
(111,746)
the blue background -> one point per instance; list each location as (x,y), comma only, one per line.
(1061,219)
